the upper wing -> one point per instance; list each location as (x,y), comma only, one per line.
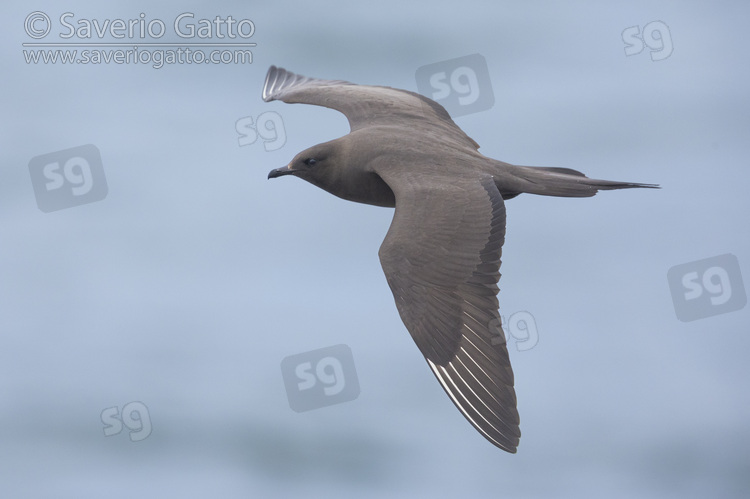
(365,105)
(441,258)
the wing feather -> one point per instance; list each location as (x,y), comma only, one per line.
(366,105)
(441,258)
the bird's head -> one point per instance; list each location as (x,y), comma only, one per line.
(320,165)
(331,167)
(309,163)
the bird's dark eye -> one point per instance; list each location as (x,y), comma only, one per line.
(310,161)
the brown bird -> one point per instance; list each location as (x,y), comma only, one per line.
(441,256)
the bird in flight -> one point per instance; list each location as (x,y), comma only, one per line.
(441,255)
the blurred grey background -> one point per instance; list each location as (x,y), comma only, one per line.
(185,287)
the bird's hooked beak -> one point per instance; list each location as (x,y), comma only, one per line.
(278,172)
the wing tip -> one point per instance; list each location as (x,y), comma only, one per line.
(507,442)
(279,81)
(272,76)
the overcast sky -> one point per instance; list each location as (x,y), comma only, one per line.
(144,320)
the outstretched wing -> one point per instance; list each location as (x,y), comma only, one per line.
(365,106)
(441,258)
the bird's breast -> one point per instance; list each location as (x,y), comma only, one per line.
(368,188)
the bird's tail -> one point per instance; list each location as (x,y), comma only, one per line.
(513,180)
